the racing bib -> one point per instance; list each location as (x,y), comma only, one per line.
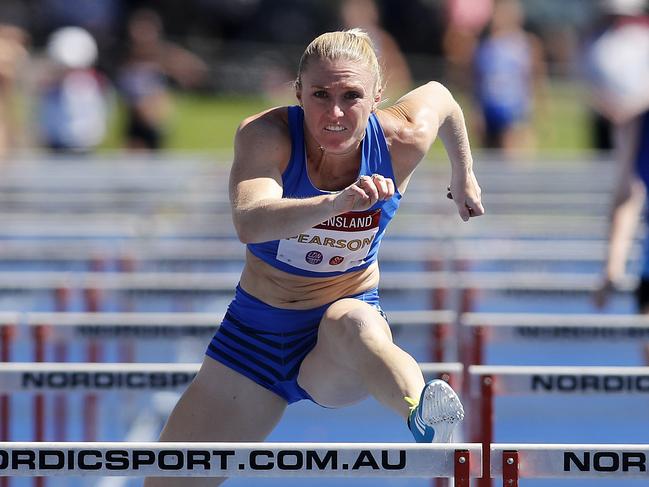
(335,245)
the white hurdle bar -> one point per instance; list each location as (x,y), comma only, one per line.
(478,328)
(460,460)
(502,250)
(488,380)
(225,281)
(97,377)
(575,461)
(128,226)
(50,329)
(563,325)
(151,325)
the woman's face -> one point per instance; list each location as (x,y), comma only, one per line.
(337,97)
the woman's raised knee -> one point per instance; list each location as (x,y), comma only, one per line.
(352,322)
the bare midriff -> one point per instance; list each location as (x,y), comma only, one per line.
(290,291)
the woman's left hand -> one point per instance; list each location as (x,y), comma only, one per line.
(465,191)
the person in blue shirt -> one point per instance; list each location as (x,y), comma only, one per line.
(509,74)
(313,187)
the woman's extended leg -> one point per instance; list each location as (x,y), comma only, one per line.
(219,405)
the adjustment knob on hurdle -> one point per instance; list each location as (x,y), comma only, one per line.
(510,469)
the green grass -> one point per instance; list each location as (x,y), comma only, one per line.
(208,123)
(563,123)
(198,123)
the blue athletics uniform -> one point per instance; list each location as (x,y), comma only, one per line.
(268,344)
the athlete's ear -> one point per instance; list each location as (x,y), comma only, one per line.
(377,99)
(298,92)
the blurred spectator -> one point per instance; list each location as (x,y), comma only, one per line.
(465,20)
(509,74)
(13,58)
(143,79)
(365,15)
(618,69)
(99,17)
(72,110)
(617,63)
(601,65)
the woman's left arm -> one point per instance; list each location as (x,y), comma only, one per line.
(417,119)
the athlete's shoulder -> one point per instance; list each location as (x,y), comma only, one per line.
(400,124)
(266,133)
(271,122)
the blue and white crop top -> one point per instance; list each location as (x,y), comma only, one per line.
(346,242)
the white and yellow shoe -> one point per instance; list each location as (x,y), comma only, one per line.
(435,416)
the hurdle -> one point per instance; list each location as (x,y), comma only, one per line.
(483,327)
(178,250)
(489,380)
(202,283)
(474,329)
(460,461)
(200,200)
(128,226)
(40,378)
(222,281)
(91,377)
(575,461)
(58,283)
(47,327)
(147,325)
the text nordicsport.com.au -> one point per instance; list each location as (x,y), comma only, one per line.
(198,460)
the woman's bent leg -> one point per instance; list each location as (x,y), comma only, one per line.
(219,405)
(355,356)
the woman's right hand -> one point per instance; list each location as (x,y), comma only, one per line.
(364,193)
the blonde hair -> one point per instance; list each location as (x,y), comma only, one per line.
(352,45)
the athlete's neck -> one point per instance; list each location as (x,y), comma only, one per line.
(332,171)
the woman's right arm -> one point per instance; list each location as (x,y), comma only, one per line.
(260,213)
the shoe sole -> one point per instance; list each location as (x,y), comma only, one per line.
(441,409)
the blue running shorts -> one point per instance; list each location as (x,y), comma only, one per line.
(268,344)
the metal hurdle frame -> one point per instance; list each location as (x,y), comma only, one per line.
(487,381)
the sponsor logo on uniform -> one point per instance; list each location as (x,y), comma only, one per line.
(352,221)
(314,257)
(340,243)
